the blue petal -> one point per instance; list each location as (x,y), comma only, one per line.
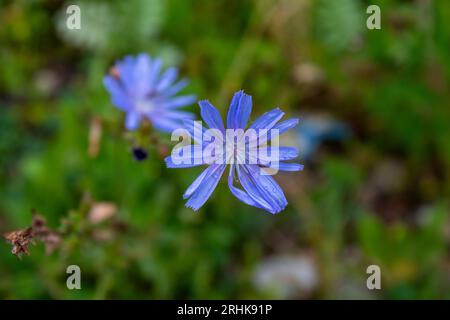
(112,85)
(180,101)
(176,114)
(143,73)
(268,188)
(169,121)
(138,74)
(288,153)
(132,120)
(166,124)
(280,127)
(196,134)
(286,125)
(233,110)
(170,164)
(197,182)
(205,187)
(284,153)
(168,77)
(239,111)
(196,157)
(244,111)
(283,166)
(252,190)
(268,119)
(172,90)
(154,74)
(211,115)
(118,96)
(240,194)
(126,69)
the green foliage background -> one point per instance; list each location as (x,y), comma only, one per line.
(391,86)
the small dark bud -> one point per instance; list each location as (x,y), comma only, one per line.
(139,154)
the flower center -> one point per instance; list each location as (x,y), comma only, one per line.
(235,152)
(144,106)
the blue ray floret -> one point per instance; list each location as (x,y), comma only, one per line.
(138,87)
(258,190)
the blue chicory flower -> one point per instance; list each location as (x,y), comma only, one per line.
(138,88)
(258,190)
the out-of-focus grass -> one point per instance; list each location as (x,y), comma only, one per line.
(380,197)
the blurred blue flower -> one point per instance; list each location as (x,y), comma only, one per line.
(259,190)
(316,129)
(138,88)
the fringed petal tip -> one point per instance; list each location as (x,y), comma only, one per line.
(169,163)
(290,166)
(203,186)
(191,206)
(276,211)
(211,115)
(294,122)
